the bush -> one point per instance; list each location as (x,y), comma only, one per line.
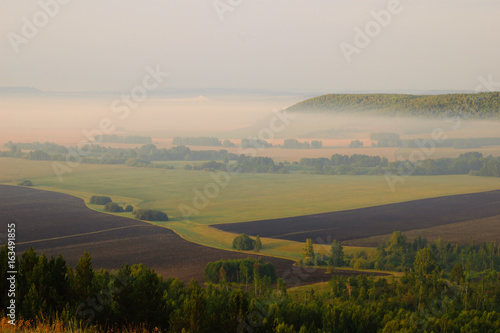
(26,183)
(150,215)
(239,270)
(356,144)
(99,200)
(243,243)
(113,207)
(129,208)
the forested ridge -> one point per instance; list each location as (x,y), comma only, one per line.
(480,105)
(443,288)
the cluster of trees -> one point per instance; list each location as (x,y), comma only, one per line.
(243,242)
(472,163)
(142,156)
(250,164)
(469,143)
(422,299)
(345,164)
(335,258)
(38,155)
(355,160)
(399,254)
(145,155)
(25,183)
(356,144)
(480,105)
(49,147)
(150,153)
(109,205)
(255,143)
(150,215)
(113,138)
(386,140)
(197,141)
(295,144)
(99,200)
(48,290)
(243,164)
(113,207)
(202,141)
(394,140)
(240,271)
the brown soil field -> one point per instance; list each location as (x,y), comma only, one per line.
(378,220)
(480,231)
(56,223)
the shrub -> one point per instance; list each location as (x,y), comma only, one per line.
(99,200)
(129,208)
(150,215)
(113,207)
(243,243)
(356,144)
(239,270)
(26,183)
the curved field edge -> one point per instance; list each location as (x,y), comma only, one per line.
(202,234)
(377,220)
(45,214)
(211,237)
(248,197)
(42,222)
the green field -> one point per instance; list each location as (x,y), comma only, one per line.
(247,197)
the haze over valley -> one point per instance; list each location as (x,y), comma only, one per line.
(250,166)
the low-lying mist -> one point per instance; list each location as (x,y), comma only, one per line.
(65,119)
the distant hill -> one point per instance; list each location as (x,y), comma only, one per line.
(479,105)
(18,90)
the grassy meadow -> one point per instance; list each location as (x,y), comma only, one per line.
(247,197)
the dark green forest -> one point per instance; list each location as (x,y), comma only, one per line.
(443,288)
(485,105)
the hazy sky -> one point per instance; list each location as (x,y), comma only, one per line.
(280,45)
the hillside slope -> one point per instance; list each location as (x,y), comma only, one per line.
(478,106)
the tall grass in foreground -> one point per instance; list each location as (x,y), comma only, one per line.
(29,326)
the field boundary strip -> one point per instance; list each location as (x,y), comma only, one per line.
(83,234)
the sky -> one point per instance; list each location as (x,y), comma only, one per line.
(290,46)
